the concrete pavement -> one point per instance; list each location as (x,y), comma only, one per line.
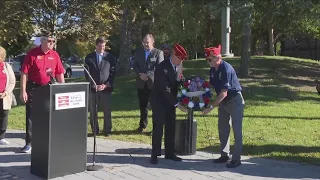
(126,160)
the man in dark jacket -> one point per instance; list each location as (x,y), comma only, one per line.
(145,61)
(164,102)
(102,67)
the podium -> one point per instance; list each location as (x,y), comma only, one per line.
(186,135)
(59,129)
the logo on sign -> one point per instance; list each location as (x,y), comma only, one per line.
(63,101)
(70,100)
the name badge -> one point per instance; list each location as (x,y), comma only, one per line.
(51,58)
(39,57)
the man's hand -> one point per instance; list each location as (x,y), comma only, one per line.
(101,87)
(2,95)
(207,110)
(143,76)
(182,108)
(24,96)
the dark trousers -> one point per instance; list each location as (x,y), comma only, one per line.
(162,118)
(103,98)
(143,95)
(30,88)
(3,120)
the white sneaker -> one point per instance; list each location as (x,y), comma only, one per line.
(4,142)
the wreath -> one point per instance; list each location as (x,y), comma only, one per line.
(194,93)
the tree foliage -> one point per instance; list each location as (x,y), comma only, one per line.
(194,24)
(16,29)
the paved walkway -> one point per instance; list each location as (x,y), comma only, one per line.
(123,160)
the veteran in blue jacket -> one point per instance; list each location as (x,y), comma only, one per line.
(229,99)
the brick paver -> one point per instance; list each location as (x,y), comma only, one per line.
(125,160)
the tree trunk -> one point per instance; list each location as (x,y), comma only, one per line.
(246,45)
(125,41)
(254,45)
(271,41)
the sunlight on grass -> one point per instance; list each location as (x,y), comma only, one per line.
(281,116)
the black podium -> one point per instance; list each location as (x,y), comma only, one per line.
(186,135)
(59,130)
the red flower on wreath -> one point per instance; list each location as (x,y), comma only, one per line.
(186,84)
(206,100)
(206,84)
(185,101)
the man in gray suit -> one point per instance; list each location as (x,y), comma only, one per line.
(146,60)
(102,67)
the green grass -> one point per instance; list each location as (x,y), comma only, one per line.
(282,118)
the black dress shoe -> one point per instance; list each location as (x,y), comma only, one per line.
(140,129)
(154,160)
(91,134)
(107,134)
(222,159)
(173,158)
(233,163)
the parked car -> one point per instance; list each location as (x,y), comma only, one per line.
(67,70)
(73,59)
(18,60)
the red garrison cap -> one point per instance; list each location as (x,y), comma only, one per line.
(212,51)
(180,52)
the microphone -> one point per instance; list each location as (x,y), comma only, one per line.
(90,77)
(93,167)
(52,79)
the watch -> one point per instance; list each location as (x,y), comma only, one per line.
(211,106)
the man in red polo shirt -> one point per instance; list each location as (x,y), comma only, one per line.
(38,65)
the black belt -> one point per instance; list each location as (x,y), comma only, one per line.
(230,96)
(35,84)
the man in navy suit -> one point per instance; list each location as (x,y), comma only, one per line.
(102,67)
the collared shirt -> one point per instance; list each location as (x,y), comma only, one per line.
(225,77)
(173,66)
(99,57)
(37,62)
(147,53)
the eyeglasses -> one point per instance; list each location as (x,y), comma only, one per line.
(51,41)
(212,59)
(145,43)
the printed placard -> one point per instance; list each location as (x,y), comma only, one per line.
(70,100)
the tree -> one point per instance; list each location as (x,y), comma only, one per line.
(285,19)
(16,29)
(246,40)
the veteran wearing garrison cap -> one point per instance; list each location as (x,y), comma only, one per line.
(230,102)
(164,103)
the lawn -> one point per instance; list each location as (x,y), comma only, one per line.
(282,118)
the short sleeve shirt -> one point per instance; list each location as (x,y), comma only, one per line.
(225,77)
(37,62)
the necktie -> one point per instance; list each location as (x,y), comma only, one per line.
(99,59)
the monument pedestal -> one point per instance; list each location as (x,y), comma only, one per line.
(186,136)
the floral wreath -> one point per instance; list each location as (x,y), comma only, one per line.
(194,93)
